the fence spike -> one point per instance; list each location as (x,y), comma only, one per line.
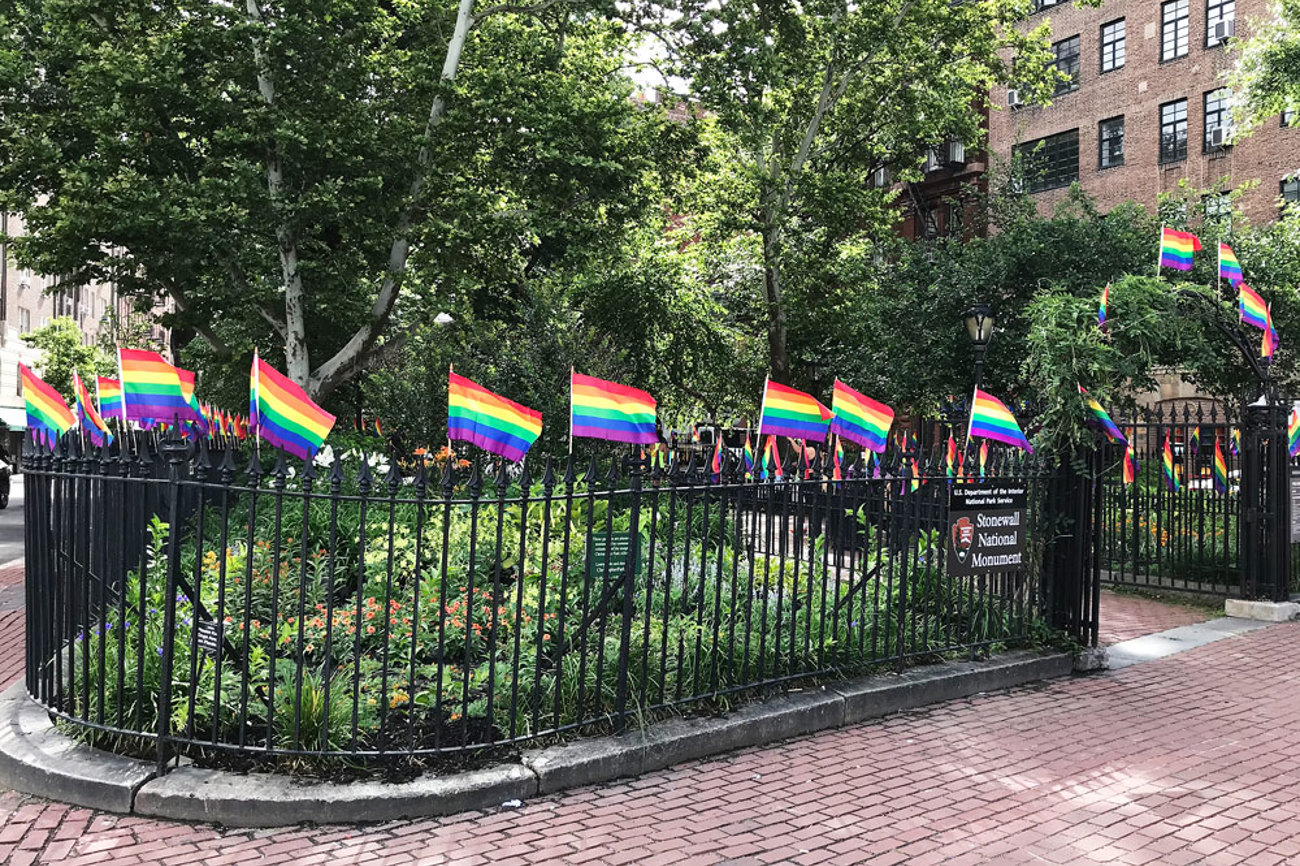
(475,479)
(548,476)
(364,476)
(525,476)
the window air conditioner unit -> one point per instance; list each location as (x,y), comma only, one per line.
(954,154)
(931,160)
(1221,137)
(1013,99)
(880,178)
(1224,30)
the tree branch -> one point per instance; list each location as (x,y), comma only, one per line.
(220,346)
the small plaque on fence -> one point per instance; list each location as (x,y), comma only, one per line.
(1295,507)
(607,554)
(986,529)
(208,636)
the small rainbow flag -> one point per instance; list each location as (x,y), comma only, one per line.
(1293,433)
(89,415)
(110,398)
(1252,307)
(1268,340)
(1101,308)
(283,413)
(490,421)
(1220,468)
(1234,444)
(1195,440)
(600,409)
(1170,470)
(984,457)
(916,475)
(188,380)
(990,419)
(151,388)
(837,474)
(860,419)
(47,413)
(950,458)
(1176,248)
(1102,420)
(749,456)
(772,458)
(716,463)
(1130,464)
(790,412)
(1229,267)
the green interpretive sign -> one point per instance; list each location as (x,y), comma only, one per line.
(607,554)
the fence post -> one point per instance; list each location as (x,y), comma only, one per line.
(176,451)
(1265,546)
(629,595)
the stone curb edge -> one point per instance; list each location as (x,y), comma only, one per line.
(37,759)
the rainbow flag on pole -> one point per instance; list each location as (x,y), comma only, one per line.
(790,412)
(283,413)
(1268,341)
(110,398)
(490,421)
(772,459)
(1170,470)
(749,456)
(47,413)
(1176,248)
(1220,468)
(991,419)
(1229,267)
(600,409)
(950,458)
(151,388)
(91,422)
(1293,433)
(1252,307)
(1130,464)
(1102,420)
(860,419)
(1101,308)
(984,458)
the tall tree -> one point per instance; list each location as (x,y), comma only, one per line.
(285,173)
(1267,76)
(815,97)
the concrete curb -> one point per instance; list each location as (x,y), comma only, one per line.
(36,758)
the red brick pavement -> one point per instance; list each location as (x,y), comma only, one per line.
(1125,616)
(1190,759)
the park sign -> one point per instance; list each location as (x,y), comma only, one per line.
(986,529)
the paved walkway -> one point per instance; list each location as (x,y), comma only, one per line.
(1125,616)
(1190,759)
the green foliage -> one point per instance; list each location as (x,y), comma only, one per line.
(1266,80)
(63,352)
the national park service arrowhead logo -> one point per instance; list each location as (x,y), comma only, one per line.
(963,537)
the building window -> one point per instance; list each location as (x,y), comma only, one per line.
(1219,12)
(1173,30)
(1050,162)
(1110,142)
(1113,52)
(1067,62)
(1288,118)
(1040,5)
(955,212)
(1173,131)
(1218,119)
(1291,189)
(1217,207)
(24,320)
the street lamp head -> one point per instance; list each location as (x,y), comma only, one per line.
(443,318)
(979,324)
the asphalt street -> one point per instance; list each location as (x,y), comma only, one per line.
(11,524)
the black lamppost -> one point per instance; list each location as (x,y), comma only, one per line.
(979,324)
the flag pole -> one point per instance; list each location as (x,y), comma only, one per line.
(1160,249)
(451,368)
(571,372)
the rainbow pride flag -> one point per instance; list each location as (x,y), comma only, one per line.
(1293,433)
(490,421)
(990,419)
(749,456)
(1102,420)
(1252,307)
(1221,468)
(1195,439)
(1130,464)
(790,412)
(950,458)
(1234,444)
(1229,267)
(188,379)
(860,419)
(984,458)
(110,398)
(1101,308)
(91,422)
(283,413)
(151,388)
(838,473)
(1268,341)
(772,458)
(1170,470)
(1176,248)
(47,413)
(600,409)
(716,463)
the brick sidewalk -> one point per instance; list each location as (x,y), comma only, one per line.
(1125,616)
(1184,760)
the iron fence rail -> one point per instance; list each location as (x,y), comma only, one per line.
(192,597)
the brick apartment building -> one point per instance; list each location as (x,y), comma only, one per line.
(1146,107)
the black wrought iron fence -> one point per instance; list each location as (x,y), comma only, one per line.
(1182,537)
(191,597)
